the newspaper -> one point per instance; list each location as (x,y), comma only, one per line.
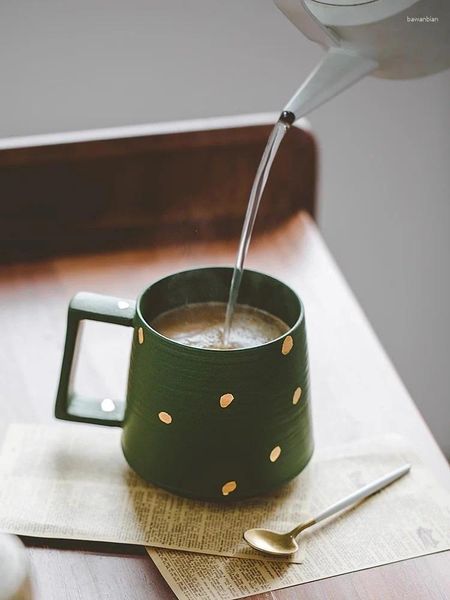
(410,518)
(72,482)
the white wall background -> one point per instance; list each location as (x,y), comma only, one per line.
(385,146)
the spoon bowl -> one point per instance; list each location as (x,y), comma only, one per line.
(271,542)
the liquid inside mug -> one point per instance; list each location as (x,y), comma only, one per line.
(204,423)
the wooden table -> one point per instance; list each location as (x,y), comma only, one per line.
(355,392)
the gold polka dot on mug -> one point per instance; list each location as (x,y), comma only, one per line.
(288,343)
(228,487)
(297,395)
(275,454)
(164,417)
(226,400)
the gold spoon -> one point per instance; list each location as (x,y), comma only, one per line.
(281,544)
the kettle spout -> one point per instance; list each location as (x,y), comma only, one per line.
(338,70)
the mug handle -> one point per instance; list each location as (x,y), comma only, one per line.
(69,405)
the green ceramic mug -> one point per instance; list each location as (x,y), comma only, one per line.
(208,424)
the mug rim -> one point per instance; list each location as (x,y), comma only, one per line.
(222,351)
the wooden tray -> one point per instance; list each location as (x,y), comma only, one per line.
(158,188)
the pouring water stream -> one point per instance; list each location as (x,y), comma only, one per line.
(270,151)
(337,70)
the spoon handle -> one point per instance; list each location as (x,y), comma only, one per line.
(364,492)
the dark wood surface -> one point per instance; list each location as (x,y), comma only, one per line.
(122,193)
(355,392)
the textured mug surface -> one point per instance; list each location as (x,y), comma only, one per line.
(204,423)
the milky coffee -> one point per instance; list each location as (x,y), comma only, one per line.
(202,325)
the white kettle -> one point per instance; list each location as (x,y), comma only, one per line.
(394,39)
